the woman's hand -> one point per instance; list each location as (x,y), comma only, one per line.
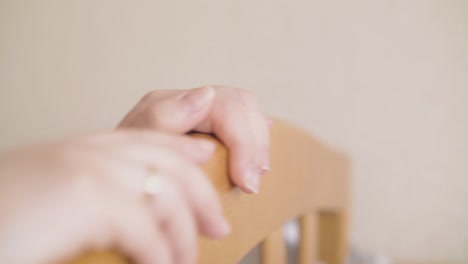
(232,114)
(87,193)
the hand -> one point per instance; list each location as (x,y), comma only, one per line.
(232,114)
(87,193)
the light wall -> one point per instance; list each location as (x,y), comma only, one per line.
(385,81)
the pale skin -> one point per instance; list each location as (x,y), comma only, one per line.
(232,114)
(62,198)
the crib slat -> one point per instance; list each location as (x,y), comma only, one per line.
(308,246)
(333,237)
(273,249)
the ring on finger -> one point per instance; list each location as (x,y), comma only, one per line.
(153,182)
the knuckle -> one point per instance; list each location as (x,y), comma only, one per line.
(151,94)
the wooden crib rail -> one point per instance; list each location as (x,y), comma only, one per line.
(307,180)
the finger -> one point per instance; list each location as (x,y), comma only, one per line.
(132,118)
(197,150)
(177,222)
(202,199)
(197,189)
(136,233)
(182,112)
(247,137)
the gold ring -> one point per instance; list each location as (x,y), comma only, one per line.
(153,183)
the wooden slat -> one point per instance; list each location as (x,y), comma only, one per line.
(308,246)
(333,237)
(273,249)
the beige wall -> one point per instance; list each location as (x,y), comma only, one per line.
(386,81)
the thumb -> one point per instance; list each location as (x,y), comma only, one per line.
(184,111)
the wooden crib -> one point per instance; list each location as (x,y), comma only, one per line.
(308,180)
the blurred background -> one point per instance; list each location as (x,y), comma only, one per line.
(384,81)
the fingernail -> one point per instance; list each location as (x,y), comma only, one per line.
(205,145)
(197,99)
(264,169)
(266,163)
(253,181)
